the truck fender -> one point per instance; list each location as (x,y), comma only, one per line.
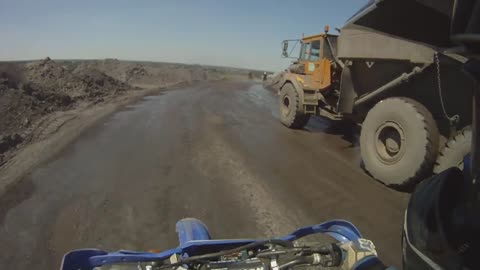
(347,97)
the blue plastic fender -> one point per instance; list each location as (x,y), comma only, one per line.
(190,229)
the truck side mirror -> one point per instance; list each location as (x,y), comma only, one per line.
(285,48)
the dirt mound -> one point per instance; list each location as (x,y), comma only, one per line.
(160,74)
(137,71)
(111,67)
(85,82)
(9,141)
(93,83)
(10,76)
(23,102)
(30,91)
(46,72)
(149,74)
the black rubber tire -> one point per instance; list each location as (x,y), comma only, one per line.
(291,115)
(419,146)
(454,151)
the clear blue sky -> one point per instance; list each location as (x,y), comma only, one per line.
(241,33)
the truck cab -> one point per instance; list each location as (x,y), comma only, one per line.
(313,64)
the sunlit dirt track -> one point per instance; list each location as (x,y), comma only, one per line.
(215,151)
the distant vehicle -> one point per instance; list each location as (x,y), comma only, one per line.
(389,71)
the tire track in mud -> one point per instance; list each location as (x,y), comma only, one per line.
(272,218)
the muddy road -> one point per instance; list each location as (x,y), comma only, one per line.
(215,151)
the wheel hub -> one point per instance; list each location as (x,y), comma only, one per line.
(389,142)
(392,145)
(286,105)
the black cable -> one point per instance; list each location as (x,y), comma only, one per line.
(299,261)
(454,119)
(324,250)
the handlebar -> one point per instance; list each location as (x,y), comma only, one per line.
(277,256)
(326,255)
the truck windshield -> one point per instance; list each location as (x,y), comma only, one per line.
(305,51)
(315,51)
(310,51)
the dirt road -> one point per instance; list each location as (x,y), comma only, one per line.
(215,151)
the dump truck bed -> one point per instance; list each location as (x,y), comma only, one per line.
(400,30)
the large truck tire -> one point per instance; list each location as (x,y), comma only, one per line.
(399,142)
(454,152)
(291,112)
